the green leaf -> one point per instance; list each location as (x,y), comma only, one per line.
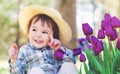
(94,63)
(106,56)
(80,70)
(86,68)
(118,72)
(116,64)
(107,69)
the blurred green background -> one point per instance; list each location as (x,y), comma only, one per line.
(75,12)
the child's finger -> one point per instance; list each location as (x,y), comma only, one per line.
(56,44)
(15,46)
(50,40)
(57,47)
(51,37)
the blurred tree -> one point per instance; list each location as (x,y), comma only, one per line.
(7,25)
(68,10)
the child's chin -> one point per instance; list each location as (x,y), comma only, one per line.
(39,46)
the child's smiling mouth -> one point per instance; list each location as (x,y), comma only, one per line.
(38,41)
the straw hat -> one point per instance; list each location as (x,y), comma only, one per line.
(28,12)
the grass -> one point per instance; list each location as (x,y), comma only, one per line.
(4,67)
(4,71)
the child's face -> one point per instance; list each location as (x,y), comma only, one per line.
(39,35)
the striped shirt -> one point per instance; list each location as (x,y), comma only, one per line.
(30,57)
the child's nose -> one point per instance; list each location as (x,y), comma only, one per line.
(39,35)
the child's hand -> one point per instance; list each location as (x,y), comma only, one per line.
(54,43)
(13,53)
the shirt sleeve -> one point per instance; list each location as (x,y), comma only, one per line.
(69,55)
(19,66)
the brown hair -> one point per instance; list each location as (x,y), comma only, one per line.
(46,19)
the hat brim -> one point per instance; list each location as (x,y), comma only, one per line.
(28,12)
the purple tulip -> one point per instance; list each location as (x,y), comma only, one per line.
(101,34)
(82,57)
(107,17)
(115,22)
(94,40)
(113,35)
(88,38)
(118,44)
(82,41)
(111,32)
(105,24)
(87,29)
(59,54)
(90,47)
(76,51)
(98,47)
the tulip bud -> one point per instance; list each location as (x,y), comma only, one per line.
(59,54)
(82,57)
(76,51)
(87,29)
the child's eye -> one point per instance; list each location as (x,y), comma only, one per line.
(45,32)
(33,29)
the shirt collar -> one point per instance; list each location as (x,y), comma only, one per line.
(33,47)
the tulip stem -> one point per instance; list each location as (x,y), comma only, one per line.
(109,45)
(114,44)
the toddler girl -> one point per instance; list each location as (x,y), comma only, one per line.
(46,32)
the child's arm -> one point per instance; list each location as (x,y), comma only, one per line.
(17,62)
(13,53)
